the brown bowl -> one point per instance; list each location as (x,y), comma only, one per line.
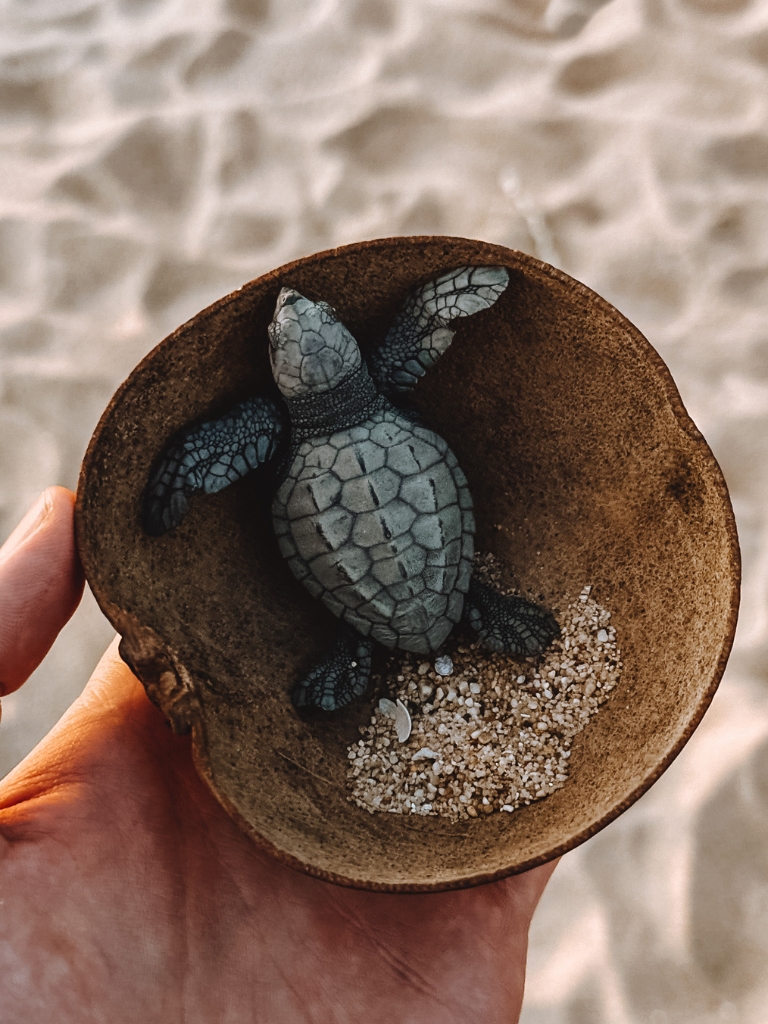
(584,468)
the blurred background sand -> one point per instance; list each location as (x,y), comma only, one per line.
(155,154)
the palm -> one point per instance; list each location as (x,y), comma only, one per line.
(127,894)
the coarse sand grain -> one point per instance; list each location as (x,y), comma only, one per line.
(496,733)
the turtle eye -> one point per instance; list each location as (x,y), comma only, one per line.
(328,309)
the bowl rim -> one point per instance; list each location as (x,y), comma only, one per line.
(523,262)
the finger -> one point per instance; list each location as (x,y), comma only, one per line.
(530,886)
(113,693)
(104,737)
(41,583)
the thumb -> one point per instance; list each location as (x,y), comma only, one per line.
(41,583)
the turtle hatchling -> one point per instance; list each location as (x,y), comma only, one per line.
(371,509)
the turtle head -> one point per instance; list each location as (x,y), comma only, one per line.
(310,349)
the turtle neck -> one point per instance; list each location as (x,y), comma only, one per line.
(352,401)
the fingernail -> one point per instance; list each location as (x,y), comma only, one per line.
(31,522)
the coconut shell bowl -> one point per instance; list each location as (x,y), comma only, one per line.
(584,468)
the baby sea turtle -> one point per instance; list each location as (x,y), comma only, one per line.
(371,509)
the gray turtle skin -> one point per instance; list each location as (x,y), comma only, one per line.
(371,509)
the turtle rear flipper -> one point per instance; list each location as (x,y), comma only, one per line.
(422,330)
(208,458)
(340,675)
(508,625)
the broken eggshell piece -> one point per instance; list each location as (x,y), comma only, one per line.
(399,714)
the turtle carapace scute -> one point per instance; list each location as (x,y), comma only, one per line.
(371,509)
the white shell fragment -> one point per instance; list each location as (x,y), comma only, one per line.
(424,753)
(398,712)
(443,665)
(402,722)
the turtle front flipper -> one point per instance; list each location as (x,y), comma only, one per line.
(422,330)
(508,625)
(208,458)
(340,675)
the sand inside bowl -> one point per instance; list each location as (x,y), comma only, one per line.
(496,732)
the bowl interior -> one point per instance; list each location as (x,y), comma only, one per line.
(584,469)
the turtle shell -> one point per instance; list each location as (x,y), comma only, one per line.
(376,520)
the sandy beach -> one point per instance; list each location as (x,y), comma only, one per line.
(155,154)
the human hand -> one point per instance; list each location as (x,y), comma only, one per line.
(127,894)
